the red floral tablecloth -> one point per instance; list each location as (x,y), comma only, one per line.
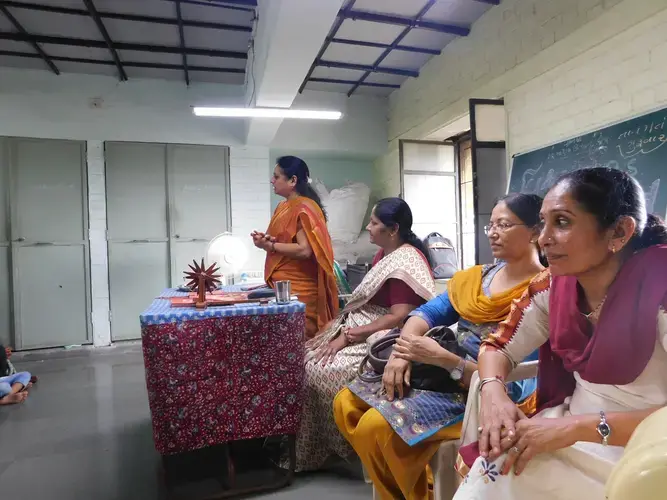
(212,380)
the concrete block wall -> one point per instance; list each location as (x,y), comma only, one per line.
(251,195)
(607,51)
(99,263)
(622,77)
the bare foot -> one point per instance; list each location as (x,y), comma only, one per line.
(13,399)
(26,387)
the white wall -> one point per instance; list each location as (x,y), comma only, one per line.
(98,108)
(564,67)
(251,198)
(39,104)
(624,76)
(361,131)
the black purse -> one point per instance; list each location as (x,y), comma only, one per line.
(423,376)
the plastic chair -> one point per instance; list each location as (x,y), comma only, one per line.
(642,471)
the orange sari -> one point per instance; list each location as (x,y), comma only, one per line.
(313,280)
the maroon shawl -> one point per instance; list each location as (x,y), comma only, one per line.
(615,351)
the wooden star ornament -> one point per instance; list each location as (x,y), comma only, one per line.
(202,280)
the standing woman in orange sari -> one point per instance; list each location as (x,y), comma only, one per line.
(298,244)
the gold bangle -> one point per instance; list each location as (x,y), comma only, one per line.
(488,380)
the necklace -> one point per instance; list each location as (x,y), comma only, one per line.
(593,313)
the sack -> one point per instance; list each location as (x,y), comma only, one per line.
(442,254)
(422,376)
(347,207)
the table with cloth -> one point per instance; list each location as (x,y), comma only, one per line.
(222,374)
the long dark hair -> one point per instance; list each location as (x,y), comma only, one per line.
(527,208)
(293,166)
(396,213)
(610,194)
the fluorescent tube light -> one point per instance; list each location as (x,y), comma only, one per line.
(268,113)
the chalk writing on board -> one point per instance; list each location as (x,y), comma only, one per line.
(636,147)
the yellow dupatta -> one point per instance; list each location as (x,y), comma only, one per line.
(468,298)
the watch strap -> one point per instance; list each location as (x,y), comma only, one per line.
(603,428)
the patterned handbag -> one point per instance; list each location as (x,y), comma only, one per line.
(423,376)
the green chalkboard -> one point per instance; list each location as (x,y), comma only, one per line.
(637,146)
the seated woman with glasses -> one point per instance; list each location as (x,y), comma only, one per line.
(397,434)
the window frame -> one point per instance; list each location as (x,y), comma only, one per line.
(457,183)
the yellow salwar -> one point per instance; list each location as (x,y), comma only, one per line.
(396,469)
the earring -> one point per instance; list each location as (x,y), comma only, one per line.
(613,249)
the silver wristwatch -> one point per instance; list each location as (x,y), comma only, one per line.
(603,429)
(457,373)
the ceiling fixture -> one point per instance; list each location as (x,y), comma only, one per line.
(268,113)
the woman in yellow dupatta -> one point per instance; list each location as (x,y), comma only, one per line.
(298,244)
(396,439)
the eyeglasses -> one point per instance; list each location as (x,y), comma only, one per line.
(500,227)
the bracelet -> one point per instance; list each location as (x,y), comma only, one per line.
(273,247)
(488,380)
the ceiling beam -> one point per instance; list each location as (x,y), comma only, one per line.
(138,47)
(353,82)
(372,69)
(423,11)
(359,15)
(125,17)
(128,64)
(332,33)
(107,39)
(404,48)
(210,3)
(40,52)
(248,3)
(181,37)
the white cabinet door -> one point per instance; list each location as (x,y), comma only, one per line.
(49,243)
(164,204)
(137,232)
(198,187)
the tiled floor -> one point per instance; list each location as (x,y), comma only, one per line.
(85,434)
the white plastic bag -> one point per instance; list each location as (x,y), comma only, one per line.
(347,208)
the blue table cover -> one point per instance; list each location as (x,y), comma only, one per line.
(160,311)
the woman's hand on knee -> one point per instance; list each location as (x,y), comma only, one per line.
(327,352)
(497,418)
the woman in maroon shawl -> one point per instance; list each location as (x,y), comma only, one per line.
(598,317)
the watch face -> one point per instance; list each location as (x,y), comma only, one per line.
(604,430)
(456,374)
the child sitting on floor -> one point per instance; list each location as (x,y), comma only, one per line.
(13,386)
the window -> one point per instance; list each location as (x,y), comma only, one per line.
(429,184)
